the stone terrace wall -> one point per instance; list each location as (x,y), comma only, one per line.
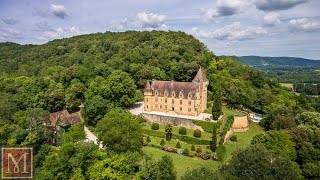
(175,121)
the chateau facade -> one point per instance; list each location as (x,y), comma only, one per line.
(186,98)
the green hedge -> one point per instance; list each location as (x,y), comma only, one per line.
(206,126)
(187,139)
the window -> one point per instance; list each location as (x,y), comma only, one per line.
(189,103)
(156,106)
(180,108)
(172,101)
(173,94)
(180,102)
(147,100)
(189,95)
(156,99)
(147,107)
(181,95)
(165,107)
(160,106)
(189,109)
(165,100)
(156,93)
(166,93)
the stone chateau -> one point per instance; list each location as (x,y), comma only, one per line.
(186,98)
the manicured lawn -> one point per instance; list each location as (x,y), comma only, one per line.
(175,130)
(180,162)
(173,143)
(244,139)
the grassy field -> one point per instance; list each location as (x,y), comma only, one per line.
(244,139)
(180,162)
(287,85)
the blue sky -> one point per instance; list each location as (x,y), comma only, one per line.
(227,27)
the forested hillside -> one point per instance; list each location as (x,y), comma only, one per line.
(277,61)
(106,72)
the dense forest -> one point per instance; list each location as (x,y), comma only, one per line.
(106,72)
(258,61)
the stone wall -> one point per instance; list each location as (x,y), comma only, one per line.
(175,121)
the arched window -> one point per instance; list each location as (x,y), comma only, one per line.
(156,93)
(180,94)
(173,94)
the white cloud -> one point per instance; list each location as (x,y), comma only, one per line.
(142,20)
(61,32)
(232,32)
(304,24)
(58,10)
(10,20)
(10,34)
(271,19)
(226,8)
(272,5)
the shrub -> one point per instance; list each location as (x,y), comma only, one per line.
(168,130)
(199,150)
(148,139)
(155,126)
(178,145)
(234,138)
(206,126)
(221,152)
(162,143)
(182,131)
(186,152)
(197,133)
(187,139)
(205,156)
(193,148)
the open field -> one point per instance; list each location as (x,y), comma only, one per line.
(287,85)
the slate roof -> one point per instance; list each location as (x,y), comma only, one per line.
(163,87)
(201,76)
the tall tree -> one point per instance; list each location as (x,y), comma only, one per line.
(256,162)
(119,132)
(216,103)
(213,145)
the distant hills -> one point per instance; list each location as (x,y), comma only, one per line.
(258,61)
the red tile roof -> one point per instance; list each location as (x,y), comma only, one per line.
(66,118)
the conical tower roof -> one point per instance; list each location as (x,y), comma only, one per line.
(148,86)
(201,76)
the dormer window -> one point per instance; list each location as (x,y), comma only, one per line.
(156,93)
(166,93)
(181,95)
(189,95)
(173,94)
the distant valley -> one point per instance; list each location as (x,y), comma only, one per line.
(258,61)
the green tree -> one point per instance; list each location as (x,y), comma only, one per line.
(75,95)
(243,165)
(309,118)
(216,103)
(74,134)
(156,170)
(213,143)
(118,132)
(168,130)
(202,173)
(279,142)
(94,110)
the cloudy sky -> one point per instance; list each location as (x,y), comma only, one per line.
(229,27)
